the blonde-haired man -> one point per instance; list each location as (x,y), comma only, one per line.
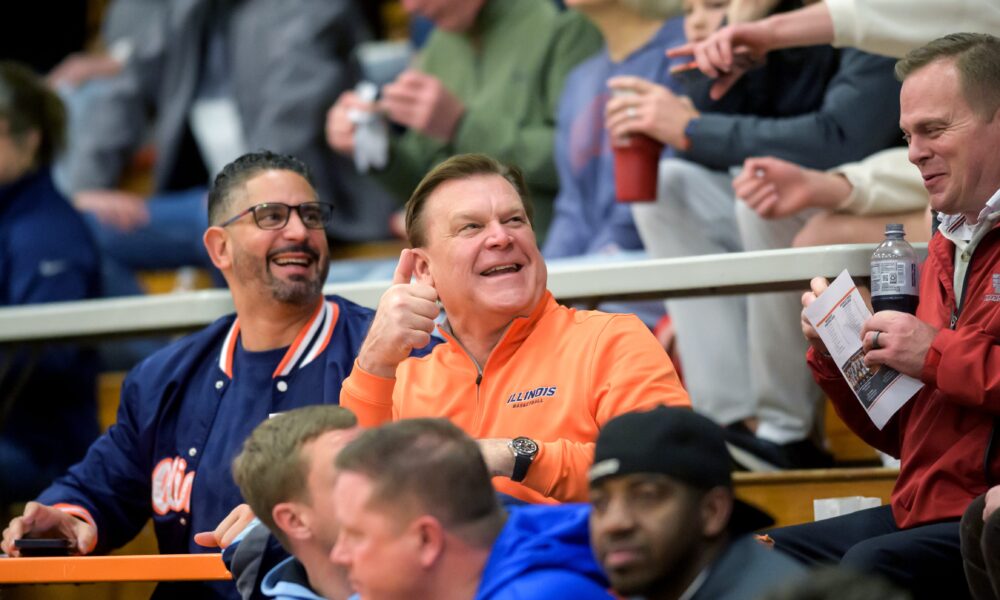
(285,472)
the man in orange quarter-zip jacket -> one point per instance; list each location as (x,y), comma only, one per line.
(531,380)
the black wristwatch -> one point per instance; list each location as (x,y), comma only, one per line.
(525,450)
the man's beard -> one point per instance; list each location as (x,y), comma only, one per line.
(299,290)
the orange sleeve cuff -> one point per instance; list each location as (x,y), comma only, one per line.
(368,396)
(84,515)
(560,470)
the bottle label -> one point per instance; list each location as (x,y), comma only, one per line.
(894,277)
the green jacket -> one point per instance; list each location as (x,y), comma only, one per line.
(509,71)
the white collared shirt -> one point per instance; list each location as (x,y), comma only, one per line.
(967,236)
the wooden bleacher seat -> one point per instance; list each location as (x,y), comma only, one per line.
(788,495)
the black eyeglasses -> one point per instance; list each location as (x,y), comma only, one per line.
(274,215)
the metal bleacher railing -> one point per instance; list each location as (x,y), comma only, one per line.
(745,272)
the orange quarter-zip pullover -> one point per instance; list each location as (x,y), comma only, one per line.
(555,376)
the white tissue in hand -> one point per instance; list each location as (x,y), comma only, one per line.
(371,133)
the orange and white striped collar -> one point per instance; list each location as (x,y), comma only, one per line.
(309,343)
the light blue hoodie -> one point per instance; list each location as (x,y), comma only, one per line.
(288,581)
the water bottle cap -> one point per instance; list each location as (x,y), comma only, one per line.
(894,228)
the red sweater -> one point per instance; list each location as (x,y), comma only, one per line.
(941,435)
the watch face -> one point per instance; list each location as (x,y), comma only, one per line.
(524,446)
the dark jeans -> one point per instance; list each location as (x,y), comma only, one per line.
(981,551)
(925,560)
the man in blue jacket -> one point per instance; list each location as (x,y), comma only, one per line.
(185,410)
(419,519)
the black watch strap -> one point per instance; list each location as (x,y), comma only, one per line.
(525,450)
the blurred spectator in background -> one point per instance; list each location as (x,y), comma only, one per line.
(817,107)
(883,26)
(81,76)
(488,80)
(587,218)
(844,205)
(48,393)
(219,78)
(588,221)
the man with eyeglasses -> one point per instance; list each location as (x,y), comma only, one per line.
(186,410)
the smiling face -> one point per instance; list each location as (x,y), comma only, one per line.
(644,529)
(951,144)
(480,252)
(288,265)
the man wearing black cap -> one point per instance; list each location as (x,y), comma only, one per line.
(665,523)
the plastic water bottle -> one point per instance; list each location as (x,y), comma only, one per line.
(894,273)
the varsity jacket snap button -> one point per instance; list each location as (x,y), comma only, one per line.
(282,386)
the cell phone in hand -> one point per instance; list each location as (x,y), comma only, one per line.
(43,546)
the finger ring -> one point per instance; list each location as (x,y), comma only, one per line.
(630,112)
(875,344)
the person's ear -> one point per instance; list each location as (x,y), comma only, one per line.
(429,537)
(716,509)
(219,247)
(422,267)
(289,519)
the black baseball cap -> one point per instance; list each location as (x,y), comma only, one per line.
(676,442)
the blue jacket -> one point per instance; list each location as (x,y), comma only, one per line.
(543,552)
(47,255)
(184,414)
(288,581)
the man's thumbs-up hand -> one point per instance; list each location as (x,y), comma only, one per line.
(404,321)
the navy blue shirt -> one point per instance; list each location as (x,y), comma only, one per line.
(46,255)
